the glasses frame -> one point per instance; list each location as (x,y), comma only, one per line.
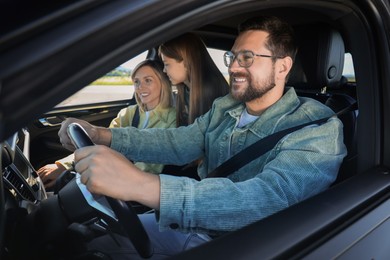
(231,54)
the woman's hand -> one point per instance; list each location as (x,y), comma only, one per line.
(49,174)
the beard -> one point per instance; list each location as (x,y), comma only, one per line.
(252,91)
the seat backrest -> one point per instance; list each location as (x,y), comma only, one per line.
(338,102)
(320,59)
(317,73)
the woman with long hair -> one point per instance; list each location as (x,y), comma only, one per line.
(191,69)
(154,109)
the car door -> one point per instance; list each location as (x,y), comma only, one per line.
(97,103)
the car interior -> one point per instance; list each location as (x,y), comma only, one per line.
(51,233)
(317,73)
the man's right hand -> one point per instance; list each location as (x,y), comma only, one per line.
(49,174)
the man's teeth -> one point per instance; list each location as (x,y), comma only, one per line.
(239,79)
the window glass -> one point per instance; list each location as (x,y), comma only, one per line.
(115,85)
(217,56)
(348,70)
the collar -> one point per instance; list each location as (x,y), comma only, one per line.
(162,114)
(270,118)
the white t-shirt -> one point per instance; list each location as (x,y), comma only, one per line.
(246,118)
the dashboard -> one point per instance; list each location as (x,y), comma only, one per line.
(21,182)
(36,224)
(40,225)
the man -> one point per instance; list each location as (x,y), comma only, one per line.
(302,164)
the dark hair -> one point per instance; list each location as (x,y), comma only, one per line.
(206,81)
(281,39)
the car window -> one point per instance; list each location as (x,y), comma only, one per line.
(348,70)
(117,84)
(217,56)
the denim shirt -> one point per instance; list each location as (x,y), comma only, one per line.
(301,165)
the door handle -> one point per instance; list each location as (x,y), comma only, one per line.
(51,121)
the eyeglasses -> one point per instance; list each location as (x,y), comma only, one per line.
(244,58)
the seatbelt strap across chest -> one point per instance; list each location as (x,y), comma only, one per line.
(262,146)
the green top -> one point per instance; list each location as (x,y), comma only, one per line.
(156,118)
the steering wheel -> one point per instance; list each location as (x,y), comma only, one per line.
(131,223)
(127,217)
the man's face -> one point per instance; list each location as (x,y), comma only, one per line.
(253,82)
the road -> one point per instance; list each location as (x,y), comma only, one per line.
(99,93)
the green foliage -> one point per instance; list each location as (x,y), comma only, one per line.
(118,73)
(118,76)
(113,80)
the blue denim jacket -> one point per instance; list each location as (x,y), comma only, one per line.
(301,165)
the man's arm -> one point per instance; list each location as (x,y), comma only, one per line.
(99,135)
(300,166)
(177,146)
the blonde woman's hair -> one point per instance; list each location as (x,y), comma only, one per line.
(206,81)
(166,99)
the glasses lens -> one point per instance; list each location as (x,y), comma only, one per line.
(228,58)
(245,58)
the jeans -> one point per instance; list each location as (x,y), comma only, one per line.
(166,243)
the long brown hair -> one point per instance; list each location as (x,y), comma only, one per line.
(206,81)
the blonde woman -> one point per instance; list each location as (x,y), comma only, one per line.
(154,109)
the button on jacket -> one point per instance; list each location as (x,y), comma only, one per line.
(301,165)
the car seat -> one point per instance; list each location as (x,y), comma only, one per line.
(317,73)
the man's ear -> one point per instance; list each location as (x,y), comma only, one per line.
(283,67)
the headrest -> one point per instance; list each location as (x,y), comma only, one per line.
(320,58)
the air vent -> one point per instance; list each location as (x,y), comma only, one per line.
(17,183)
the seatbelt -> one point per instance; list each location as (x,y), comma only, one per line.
(262,146)
(135,120)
